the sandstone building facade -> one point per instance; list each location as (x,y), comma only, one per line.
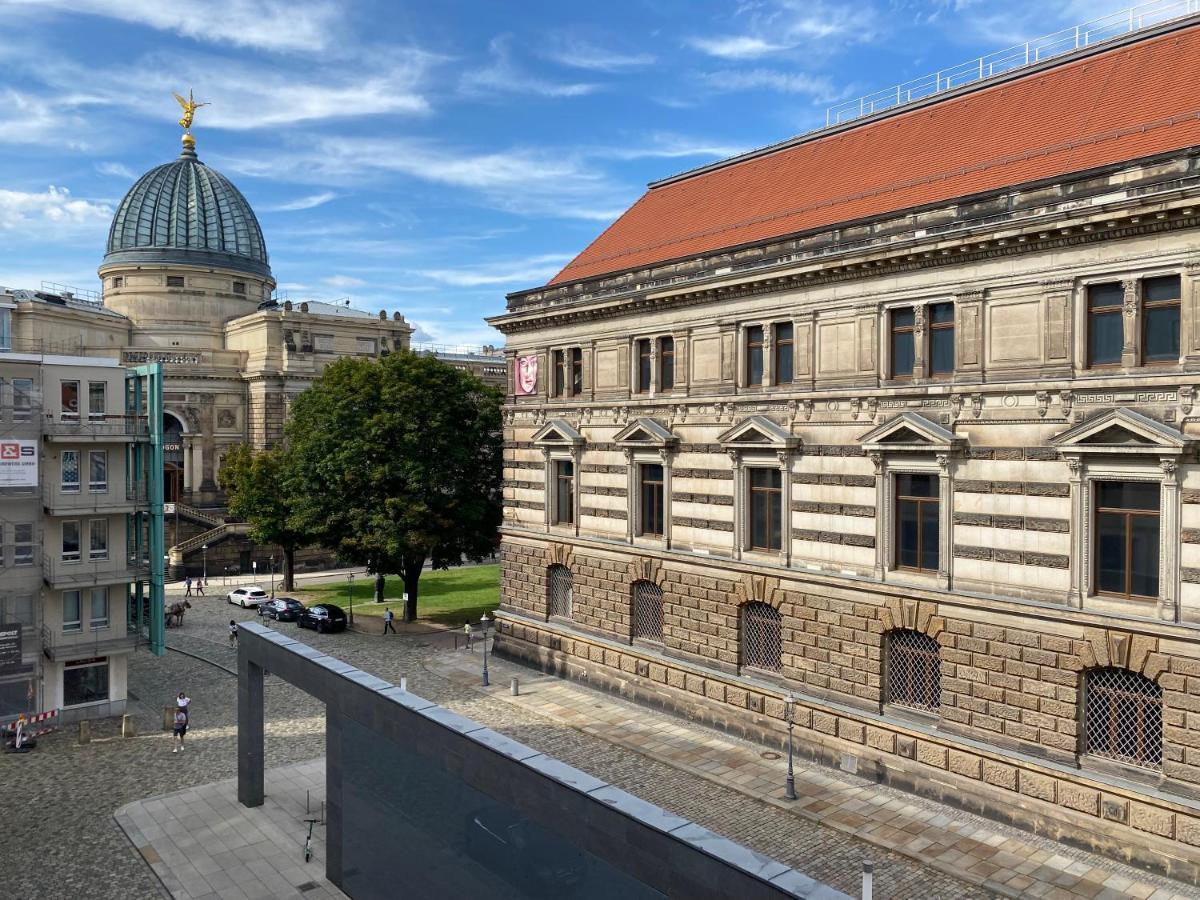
(898,420)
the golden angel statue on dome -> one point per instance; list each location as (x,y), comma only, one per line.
(190,106)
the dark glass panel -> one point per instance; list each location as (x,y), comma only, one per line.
(941,351)
(1143,551)
(929,536)
(902,354)
(759,515)
(666,364)
(643,365)
(754,355)
(1127,495)
(941,312)
(1162,333)
(1155,290)
(1110,553)
(907,552)
(1106,295)
(902,318)
(1106,337)
(776,521)
(911,485)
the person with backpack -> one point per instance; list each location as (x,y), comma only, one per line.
(387,621)
(232,633)
(180,729)
(188,583)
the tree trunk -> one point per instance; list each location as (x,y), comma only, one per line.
(289,569)
(412,581)
(378,587)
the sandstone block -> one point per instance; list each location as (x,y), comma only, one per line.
(881,739)
(1152,819)
(658,673)
(1036,785)
(824,723)
(967,764)
(1000,774)
(851,731)
(1074,796)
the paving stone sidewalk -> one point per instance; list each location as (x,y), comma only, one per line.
(993,856)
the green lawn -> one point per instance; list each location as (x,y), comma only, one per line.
(449,596)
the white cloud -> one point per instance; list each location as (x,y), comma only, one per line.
(343,281)
(736,47)
(504,76)
(279,25)
(21,210)
(534,269)
(573,51)
(777,26)
(310,202)
(29,119)
(670,146)
(771,79)
(116,170)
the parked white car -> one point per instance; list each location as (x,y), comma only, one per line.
(248,596)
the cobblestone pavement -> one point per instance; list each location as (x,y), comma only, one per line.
(67,792)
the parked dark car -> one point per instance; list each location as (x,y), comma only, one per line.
(284,609)
(322,618)
(529,857)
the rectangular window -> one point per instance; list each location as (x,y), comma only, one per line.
(174,281)
(643,366)
(564,492)
(5,329)
(941,338)
(98,539)
(903,353)
(118,281)
(70,471)
(917,524)
(560,373)
(72,613)
(1160,319)
(576,372)
(70,400)
(239,287)
(1126,549)
(23,544)
(96,399)
(766,509)
(666,364)
(98,470)
(99,617)
(1106,333)
(754,355)
(70,541)
(22,399)
(651,494)
(784,353)
(85,684)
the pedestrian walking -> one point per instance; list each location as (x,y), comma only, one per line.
(467,632)
(180,729)
(387,621)
(199,587)
(184,702)
(232,633)
(188,583)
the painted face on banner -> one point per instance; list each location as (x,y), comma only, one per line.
(527,374)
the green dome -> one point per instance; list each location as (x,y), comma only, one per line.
(186,213)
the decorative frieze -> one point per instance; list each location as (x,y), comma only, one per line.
(1020,557)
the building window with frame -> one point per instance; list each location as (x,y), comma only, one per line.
(576,357)
(174,281)
(85,683)
(98,539)
(5,329)
(1126,543)
(564,492)
(98,471)
(647,611)
(903,337)
(918,529)
(1106,331)
(560,591)
(23,544)
(560,373)
(96,392)
(784,353)
(650,493)
(766,508)
(914,670)
(644,367)
(22,399)
(72,611)
(762,637)
(99,616)
(941,338)
(1160,319)
(754,355)
(69,392)
(70,541)
(1122,717)
(666,364)
(239,287)
(70,471)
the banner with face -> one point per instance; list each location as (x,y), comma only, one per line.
(527,375)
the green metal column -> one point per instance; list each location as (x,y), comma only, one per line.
(148,401)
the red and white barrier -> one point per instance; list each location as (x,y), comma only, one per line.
(50,717)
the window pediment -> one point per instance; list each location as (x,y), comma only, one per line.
(646,433)
(912,433)
(1122,432)
(558,433)
(758,433)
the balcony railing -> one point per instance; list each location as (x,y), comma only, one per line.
(114,499)
(87,642)
(58,572)
(86,426)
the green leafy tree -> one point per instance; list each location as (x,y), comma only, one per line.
(260,491)
(398,463)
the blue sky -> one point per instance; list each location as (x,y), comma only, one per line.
(431,157)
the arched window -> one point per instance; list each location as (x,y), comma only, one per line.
(914,670)
(762,637)
(647,611)
(1122,717)
(559,587)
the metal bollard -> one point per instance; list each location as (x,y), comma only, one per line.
(404,683)
(868,884)
(515,687)
(128,728)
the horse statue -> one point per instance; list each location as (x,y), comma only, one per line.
(175,611)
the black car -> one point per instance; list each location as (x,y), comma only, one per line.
(322,618)
(284,609)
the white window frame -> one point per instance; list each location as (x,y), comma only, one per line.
(29,545)
(78,555)
(92,414)
(98,487)
(98,622)
(95,553)
(65,486)
(74,625)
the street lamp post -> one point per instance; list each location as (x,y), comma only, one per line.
(271,563)
(204,548)
(790,707)
(484,621)
(350,595)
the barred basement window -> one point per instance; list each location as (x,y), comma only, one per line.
(559,588)
(762,637)
(1123,717)
(914,670)
(647,611)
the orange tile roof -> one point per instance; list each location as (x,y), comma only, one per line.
(1127,103)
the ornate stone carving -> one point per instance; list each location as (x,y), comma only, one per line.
(1075,465)
(943,461)
(808,409)
(1130,303)
(876,460)
(918,321)
(977,405)
(1043,402)
(855,408)
(1067,399)
(956,405)
(1187,396)
(226,418)
(872,407)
